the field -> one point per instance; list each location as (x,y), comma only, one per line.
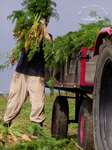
(44,141)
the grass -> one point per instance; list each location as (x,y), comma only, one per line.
(71,143)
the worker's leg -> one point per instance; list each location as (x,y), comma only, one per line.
(36,87)
(17,96)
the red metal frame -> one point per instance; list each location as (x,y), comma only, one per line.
(101,35)
(83,69)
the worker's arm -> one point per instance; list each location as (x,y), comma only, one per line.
(46,34)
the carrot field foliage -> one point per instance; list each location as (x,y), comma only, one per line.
(20,128)
(21,125)
(12,138)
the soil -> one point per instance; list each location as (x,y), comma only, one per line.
(73,133)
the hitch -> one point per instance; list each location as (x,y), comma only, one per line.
(87,57)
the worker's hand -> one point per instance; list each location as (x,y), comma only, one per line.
(42,20)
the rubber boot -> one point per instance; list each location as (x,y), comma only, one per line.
(7,124)
(36,133)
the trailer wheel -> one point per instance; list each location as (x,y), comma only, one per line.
(102,98)
(60,113)
(85,126)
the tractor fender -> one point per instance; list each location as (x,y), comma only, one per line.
(103,33)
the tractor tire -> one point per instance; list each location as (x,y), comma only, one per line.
(102,98)
(85,126)
(60,115)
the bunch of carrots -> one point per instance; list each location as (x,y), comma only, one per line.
(29,39)
(28,30)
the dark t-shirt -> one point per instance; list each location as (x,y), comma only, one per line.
(33,67)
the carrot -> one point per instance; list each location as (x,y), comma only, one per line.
(13,59)
(40,39)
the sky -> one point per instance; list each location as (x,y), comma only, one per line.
(71,12)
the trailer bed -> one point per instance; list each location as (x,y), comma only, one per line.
(77,74)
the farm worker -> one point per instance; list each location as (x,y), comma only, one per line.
(28,80)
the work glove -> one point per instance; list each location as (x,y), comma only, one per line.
(42,20)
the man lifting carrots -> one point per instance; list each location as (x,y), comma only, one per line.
(28,80)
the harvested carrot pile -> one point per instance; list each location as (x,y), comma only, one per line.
(19,136)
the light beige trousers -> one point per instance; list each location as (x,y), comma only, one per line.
(21,87)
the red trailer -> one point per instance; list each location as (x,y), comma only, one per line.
(88,72)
